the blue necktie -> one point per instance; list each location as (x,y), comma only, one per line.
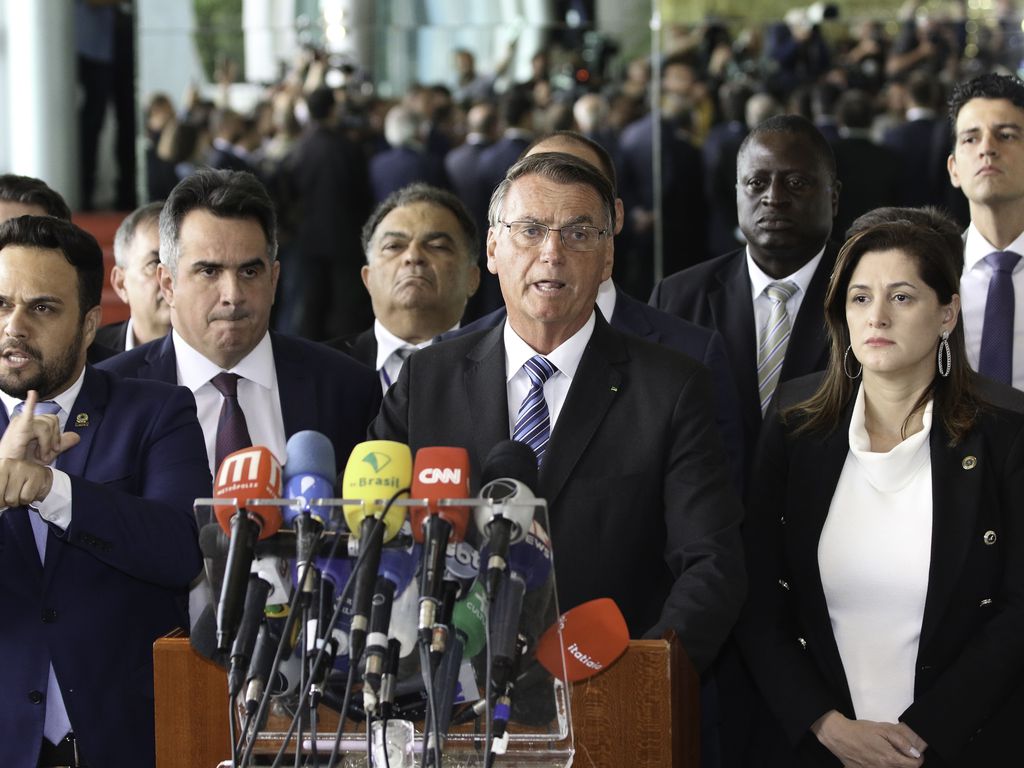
(533,424)
(57,724)
(996,358)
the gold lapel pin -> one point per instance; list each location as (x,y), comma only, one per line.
(82,420)
(969,462)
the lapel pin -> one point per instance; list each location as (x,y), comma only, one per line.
(615,389)
(82,420)
(969,462)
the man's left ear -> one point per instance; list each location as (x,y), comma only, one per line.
(90,323)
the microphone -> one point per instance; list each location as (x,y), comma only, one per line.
(504,626)
(262,676)
(593,636)
(309,473)
(377,470)
(246,475)
(394,575)
(439,473)
(252,617)
(509,475)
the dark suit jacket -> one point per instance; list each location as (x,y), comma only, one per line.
(634,468)
(922,160)
(113,583)
(870,175)
(113,336)
(970,660)
(639,319)
(395,168)
(320,389)
(361,347)
(716,295)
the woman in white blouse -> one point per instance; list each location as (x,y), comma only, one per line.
(885,530)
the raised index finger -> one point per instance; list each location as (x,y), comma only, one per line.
(29,409)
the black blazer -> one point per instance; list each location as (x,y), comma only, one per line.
(361,347)
(716,295)
(634,468)
(320,389)
(968,697)
(639,319)
(113,336)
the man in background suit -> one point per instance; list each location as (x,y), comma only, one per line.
(420,269)
(134,280)
(629,315)
(630,461)
(786,196)
(218,271)
(97,538)
(987,164)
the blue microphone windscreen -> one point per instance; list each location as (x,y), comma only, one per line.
(309,453)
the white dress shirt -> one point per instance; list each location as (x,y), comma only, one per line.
(56,507)
(873,555)
(565,357)
(606,297)
(258,395)
(974,294)
(759,280)
(389,365)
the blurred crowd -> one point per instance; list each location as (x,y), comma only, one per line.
(329,146)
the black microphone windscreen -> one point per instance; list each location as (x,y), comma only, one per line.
(511,459)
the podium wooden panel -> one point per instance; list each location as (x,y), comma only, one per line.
(642,711)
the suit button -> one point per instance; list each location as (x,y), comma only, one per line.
(36,697)
(990,537)
(49,615)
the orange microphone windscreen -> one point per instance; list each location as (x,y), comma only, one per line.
(594,635)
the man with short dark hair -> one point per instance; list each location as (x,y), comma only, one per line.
(555,376)
(28,196)
(134,280)
(97,537)
(987,164)
(420,245)
(218,271)
(766,299)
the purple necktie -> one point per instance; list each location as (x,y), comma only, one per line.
(56,725)
(533,423)
(232,431)
(996,358)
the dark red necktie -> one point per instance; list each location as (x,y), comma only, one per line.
(232,431)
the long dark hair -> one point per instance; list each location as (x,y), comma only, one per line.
(934,243)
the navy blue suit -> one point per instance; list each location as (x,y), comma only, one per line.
(320,389)
(393,169)
(112,583)
(703,345)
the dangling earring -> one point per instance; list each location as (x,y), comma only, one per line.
(846,364)
(944,350)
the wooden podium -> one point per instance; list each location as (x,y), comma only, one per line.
(642,711)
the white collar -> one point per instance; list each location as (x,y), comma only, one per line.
(606,296)
(66,399)
(565,357)
(759,280)
(976,248)
(195,369)
(387,343)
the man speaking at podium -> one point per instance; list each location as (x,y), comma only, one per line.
(97,538)
(640,504)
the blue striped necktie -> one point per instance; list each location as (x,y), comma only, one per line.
(533,424)
(56,725)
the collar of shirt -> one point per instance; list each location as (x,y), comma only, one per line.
(920,113)
(606,296)
(976,248)
(566,358)
(195,370)
(129,336)
(66,400)
(759,280)
(387,343)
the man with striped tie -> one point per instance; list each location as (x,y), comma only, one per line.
(767,299)
(630,461)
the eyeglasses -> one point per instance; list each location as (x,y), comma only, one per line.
(578,237)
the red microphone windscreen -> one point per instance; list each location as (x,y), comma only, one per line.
(594,635)
(251,473)
(440,473)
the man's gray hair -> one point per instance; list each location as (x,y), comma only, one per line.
(561,169)
(145,215)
